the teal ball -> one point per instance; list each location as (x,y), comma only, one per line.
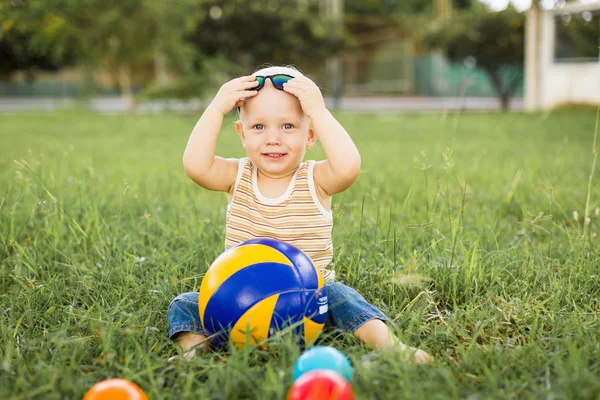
(323,358)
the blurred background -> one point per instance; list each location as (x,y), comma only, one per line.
(152,55)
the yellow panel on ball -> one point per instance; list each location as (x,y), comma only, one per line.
(252,323)
(231,262)
(311,330)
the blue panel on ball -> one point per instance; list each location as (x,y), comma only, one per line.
(220,339)
(244,289)
(307,271)
(316,305)
(289,310)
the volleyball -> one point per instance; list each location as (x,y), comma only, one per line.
(258,288)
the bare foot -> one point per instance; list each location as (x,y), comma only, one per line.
(188,355)
(189,342)
(422,357)
(400,351)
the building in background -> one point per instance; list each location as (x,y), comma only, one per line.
(562,55)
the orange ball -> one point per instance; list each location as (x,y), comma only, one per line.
(115,389)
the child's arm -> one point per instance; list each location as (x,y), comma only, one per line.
(199,160)
(342,166)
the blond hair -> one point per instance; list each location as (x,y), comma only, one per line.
(268,69)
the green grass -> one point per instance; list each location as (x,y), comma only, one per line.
(100,228)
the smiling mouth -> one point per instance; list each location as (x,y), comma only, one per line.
(274,155)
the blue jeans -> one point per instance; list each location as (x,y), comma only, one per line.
(347,311)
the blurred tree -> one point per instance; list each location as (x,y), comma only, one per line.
(21,49)
(202,82)
(15,55)
(494,39)
(251,33)
(461,4)
(118,36)
(385,17)
(387,7)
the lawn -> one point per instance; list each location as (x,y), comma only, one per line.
(467,230)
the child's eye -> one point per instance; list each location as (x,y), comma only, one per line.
(258,126)
(288,126)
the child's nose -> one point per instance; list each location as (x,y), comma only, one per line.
(273,136)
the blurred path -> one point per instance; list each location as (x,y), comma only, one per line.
(354,104)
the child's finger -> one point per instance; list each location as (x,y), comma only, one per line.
(289,88)
(242,79)
(307,84)
(246,93)
(250,84)
(301,80)
(293,88)
(297,83)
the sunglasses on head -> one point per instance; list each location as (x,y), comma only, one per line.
(278,80)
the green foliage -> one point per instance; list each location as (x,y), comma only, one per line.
(495,40)
(16,55)
(108,34)
(100,228)
(32,41)
(252,33)
(125,37)
(206,82)
(387,7)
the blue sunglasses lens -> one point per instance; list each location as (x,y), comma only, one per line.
(279,80)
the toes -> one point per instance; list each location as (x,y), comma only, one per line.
(190,354)
(422,357)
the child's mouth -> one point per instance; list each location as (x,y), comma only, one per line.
(274,156)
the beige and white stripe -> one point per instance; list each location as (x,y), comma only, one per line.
(296,217)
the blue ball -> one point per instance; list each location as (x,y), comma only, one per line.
(323,357)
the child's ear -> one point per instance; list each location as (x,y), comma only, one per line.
(239,127)
(312,138)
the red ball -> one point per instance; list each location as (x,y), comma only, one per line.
(321,385)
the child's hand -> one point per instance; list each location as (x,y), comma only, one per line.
(307,92)
(233,93)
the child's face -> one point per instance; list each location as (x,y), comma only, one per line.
(275,131)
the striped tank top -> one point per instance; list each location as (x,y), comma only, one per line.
(296,217)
